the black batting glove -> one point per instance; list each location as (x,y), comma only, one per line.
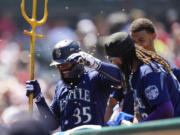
(32,86)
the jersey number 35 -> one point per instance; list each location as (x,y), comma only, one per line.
(82,115)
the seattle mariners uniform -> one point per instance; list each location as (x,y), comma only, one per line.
(144,34)
(148,75)
(127,97)
(84,103)
(152,88)
(81,96)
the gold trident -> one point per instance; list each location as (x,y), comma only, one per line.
(34,23)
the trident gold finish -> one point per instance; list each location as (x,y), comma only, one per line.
(34,23)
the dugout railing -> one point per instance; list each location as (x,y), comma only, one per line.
(159,127)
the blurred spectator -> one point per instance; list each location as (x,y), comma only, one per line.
(87,34)
(3,130)
(118,21)
(102,31)
(28,127)
(171,16)
(13,114)
(136,13)
(101,25)
(60,30)
(175,29)
(7,25)
(163,43)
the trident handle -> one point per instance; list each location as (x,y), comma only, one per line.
(34,23)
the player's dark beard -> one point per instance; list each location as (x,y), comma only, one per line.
(73,74)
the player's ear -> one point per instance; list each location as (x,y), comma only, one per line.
(154,36)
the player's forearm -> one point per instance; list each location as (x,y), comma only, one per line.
(108,113)
(48,117)
(111,71)
(163,111)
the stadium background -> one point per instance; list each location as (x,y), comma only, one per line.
(87,21)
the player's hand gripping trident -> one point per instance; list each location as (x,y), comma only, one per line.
(34,23)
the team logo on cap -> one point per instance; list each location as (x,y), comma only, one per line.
(72,49)
(58,53)
(151,92)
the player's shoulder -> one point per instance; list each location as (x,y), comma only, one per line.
(172,65)
(60,84)
(145,69)
(154,68)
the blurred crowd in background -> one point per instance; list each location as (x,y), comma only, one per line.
(90,31)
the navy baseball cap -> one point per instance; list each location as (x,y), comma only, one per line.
(62,50)
(119,44)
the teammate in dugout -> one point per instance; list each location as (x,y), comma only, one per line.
(155,89)
(81,96)
(122,98)
(143,33)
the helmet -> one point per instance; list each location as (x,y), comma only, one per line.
(119,45)
(62,50)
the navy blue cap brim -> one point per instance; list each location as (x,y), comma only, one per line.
(57,62)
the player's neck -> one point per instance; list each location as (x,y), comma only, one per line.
(152,48)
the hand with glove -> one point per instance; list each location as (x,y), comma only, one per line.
(85,59)
(32,86)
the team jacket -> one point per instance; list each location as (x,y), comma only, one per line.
(83,103)
(152,87)
(128,103)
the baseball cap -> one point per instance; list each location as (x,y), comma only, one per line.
(119,44)
(62,50)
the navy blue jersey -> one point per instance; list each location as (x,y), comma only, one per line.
(152,87)
(118,94)
(126,97)
(175,70)
(128,103)
(84,103)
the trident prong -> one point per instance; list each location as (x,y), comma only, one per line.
(34,23)
(43,20)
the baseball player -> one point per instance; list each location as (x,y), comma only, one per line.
(155,89)
(143,33)
(81,96)
(122,98)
